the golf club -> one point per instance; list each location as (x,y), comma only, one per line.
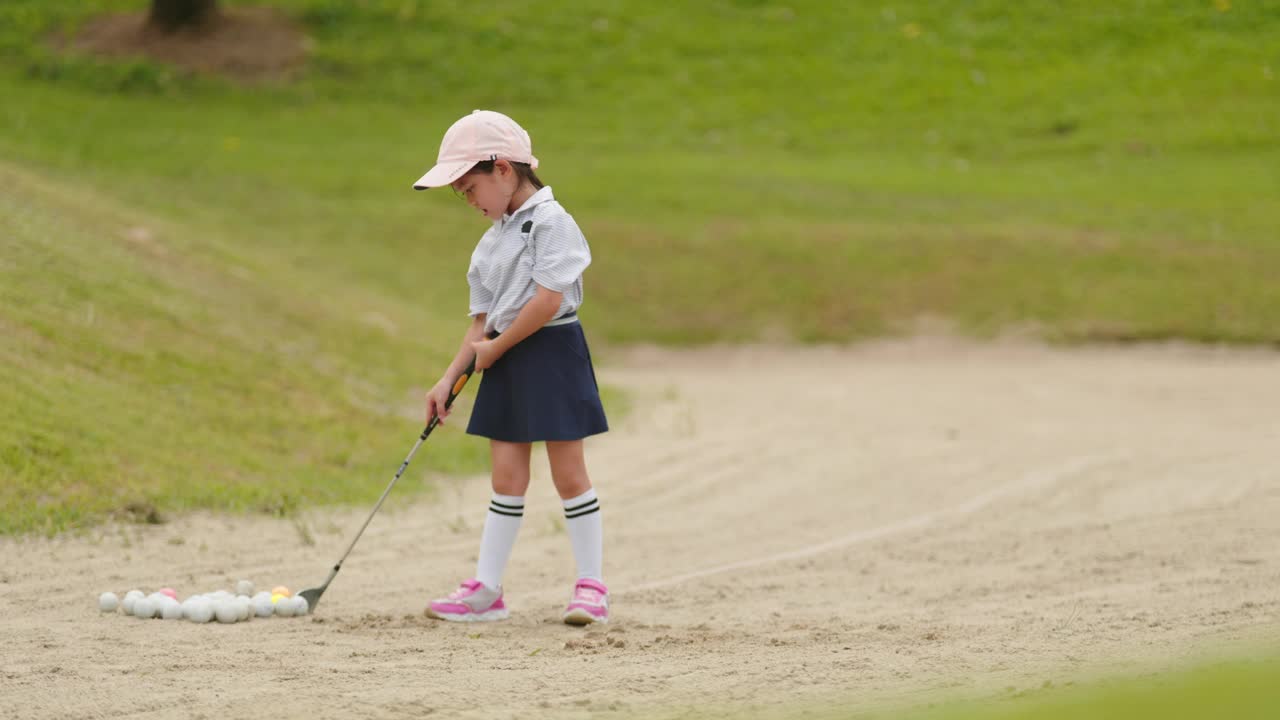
(313,595)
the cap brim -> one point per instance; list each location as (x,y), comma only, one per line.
(444,174)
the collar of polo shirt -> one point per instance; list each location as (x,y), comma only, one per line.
(541,196)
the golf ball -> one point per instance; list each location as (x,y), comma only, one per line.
(200,610)
(244,608)
(284,608)
(171,610)
(169,592)
(108,602)
(129,599)
(226,611)
(144,608)
(262,606)
(275,599)
(244,587)
(300,606)
(262,595)
(281,590)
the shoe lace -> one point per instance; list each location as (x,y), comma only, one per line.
(461,592)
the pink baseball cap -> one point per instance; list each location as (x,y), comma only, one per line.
(482,135)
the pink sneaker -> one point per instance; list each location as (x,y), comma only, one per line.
(471,602)
(590,603)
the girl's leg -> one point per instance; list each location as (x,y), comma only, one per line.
(581,508)
(510,463)
(506,509)
(568,468)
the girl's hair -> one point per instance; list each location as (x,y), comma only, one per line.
(524,172)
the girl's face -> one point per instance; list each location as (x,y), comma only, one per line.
(489,193)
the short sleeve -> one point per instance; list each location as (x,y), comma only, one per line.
(560,252)
(481,297)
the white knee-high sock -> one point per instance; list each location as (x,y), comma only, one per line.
(582,516)
(501,525)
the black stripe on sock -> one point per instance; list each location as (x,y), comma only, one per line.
(504,512)
(588,503)
(584,512)
(507,507)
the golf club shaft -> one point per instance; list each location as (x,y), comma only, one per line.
(435,420)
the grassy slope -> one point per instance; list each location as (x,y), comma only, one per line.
(1095,173)
(146,365)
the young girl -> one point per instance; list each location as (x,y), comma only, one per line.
(538,383)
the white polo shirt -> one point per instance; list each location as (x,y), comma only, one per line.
(538,244)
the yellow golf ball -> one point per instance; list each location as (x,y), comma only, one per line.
(277,597)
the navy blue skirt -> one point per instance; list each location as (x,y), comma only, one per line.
(543,388)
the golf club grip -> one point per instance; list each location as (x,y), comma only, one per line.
(460,383)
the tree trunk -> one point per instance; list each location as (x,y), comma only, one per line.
(170,15)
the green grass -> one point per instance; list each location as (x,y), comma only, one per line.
(744,170)
(1239,690)
(1093,173)
(146,367)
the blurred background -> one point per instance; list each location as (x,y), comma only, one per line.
(217,288)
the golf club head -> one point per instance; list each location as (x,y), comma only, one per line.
(313,598)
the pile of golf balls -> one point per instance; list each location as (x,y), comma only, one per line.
(221,605)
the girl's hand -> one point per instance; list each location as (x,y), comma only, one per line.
(436,399)
(487,353)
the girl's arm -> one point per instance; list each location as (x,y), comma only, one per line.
(465,352)
(539,311)
(439,395)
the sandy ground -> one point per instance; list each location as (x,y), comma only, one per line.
(787,531)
